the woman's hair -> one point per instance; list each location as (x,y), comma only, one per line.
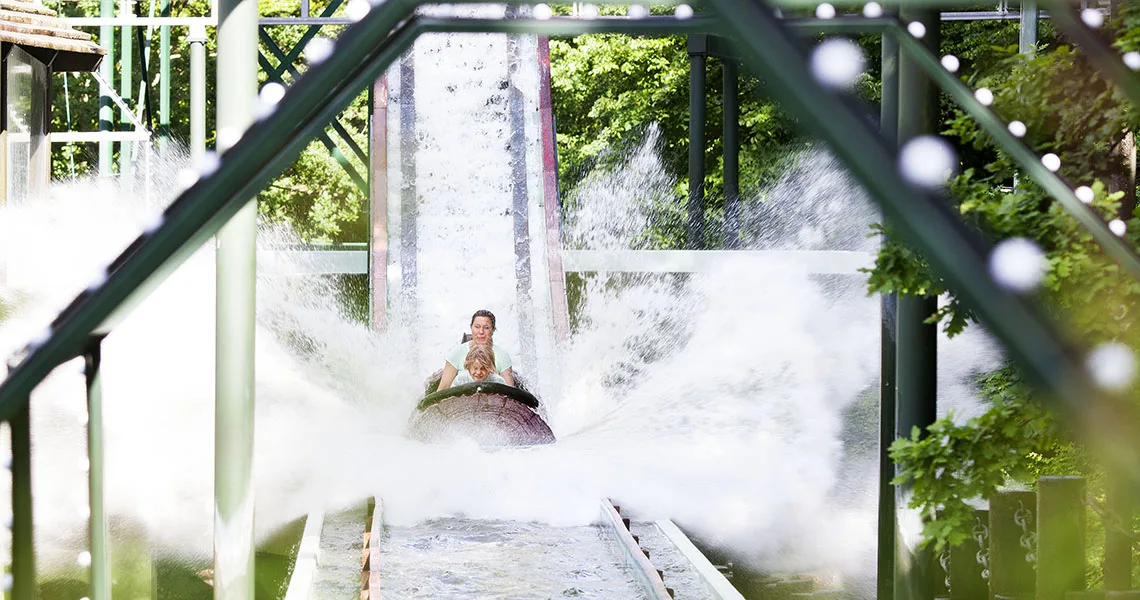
(480,354)
(484,313)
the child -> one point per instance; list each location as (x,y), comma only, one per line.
(479,366)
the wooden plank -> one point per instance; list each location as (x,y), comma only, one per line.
(644,570)
(718,585)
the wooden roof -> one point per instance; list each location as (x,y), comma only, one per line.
(38,31)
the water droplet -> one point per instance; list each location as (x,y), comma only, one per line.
(927,161)
(228,137)
(98,280)
(825,11)
(1018,264)
(1051,162)
(837,63)
(1092,17)
(985,96)
(1132,60)
(1085,194)
(358,9)
(1017,128)
(1118,227)
(7,582)
(208,164)
(40,338)
(951,63)
(186,178)
(318,50)
(271,93)
(637,11)
(1112,366)
(872,10)
(152,222)
(543,12)
(683,11)
(916,29)
(589,11)
(84,559)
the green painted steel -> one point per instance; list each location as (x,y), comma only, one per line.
(164,78)
(731,154)
(1027,31)
(695,230)
(887,545)
(924,220)
(197,40)
(1012,519)
(126,81)
(967,577)
(107,72)
(1115,247)
(100,570)
(236,318)
(916,389)
(1060,537)
(23,543)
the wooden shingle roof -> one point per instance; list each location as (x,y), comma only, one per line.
(38,31)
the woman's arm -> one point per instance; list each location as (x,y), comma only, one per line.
(449,373)
(508,376)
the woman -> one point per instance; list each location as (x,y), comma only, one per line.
(482,330)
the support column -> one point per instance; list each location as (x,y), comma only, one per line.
(126,81)
(378,205)
(164,79)
(1060,537)
(236,310)
(197,39)
(97,522)
(1027,33)
(917,356)
(696,207)
(731,154)
(888,311)
(107,72)
(23,546)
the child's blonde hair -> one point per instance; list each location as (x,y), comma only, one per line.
(480,354)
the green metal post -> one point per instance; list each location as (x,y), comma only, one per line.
(1012,520)
(1060,537)
(888,310)
(164,79)
(1027,33)
(696,209)
(731,154)
(197,39)
(966,569)
(97,524)
(23,546)
(107,71)
(917,351)
(236,307)
(126,80)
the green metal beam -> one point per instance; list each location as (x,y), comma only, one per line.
(23,537)
(926,221)
(1114,246)
(100,570)
(1103,55)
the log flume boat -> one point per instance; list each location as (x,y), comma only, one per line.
(490,414)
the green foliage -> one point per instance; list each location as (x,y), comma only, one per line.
(1070,110)
(315,196)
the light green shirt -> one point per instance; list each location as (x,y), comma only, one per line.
(465,377)
(458,356)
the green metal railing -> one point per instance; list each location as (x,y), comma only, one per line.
(920,217)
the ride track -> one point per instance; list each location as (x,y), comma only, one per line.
(764,42)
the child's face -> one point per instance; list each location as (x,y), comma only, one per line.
(480,371)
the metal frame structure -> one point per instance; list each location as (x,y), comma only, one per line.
(765,45)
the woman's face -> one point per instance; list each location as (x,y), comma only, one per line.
(481,330)
(479,371)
